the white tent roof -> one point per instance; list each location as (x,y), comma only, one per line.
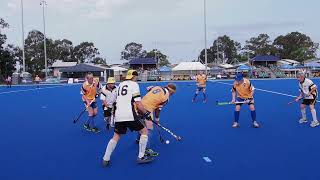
(61,64)
(284,62)
(225,65)
(117,68)
(190,66)
(289,61)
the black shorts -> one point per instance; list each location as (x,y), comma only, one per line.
(238,99)
(309,102)
(107,112)
(121,127)
(201,88)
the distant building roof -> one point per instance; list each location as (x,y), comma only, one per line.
(62,64)
(269,58)
(142,61)
(83,68)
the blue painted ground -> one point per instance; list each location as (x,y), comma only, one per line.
(40,142)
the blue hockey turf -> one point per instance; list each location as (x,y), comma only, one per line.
(40,142)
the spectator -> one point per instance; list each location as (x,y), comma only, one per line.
(9,81)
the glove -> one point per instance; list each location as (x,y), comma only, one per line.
(147,116)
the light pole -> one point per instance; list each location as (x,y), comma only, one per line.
(22,31)
(43,4)
(205,35)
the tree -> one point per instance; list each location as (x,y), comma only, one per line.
(99,60)
(296,46)
(3,37)
(210,55)
(7,61)
(34,52)
(63,50)
(133,50)
(227,48)
(7,53)
(85,52)
(260,45)
(159,56)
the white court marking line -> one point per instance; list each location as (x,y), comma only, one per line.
(268,91)
(25,90)
(207,159)
(264,90)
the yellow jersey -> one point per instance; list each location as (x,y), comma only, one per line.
(201,80)
(156,98)
(90,91)
(244,90)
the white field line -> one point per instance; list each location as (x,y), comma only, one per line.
(264,90)
(25,90)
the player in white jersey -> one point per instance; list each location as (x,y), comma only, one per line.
(108,97)
(126,117)
(308,94)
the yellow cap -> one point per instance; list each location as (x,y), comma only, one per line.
(111,80)
(131,73)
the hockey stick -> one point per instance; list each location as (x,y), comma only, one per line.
(167,130)
(82,112)
(230,103)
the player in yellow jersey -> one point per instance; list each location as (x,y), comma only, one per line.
(90,90)
(201,86)
(242,92)
(153,102)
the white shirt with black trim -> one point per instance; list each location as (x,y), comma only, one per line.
(128,93)
(306,87)
(108,95)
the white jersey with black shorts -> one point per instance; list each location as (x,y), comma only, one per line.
(126,115)
(305,87)
(110,96)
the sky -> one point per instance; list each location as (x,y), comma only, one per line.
(175,27)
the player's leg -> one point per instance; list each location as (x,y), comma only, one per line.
(255,124)
(95,112)
(110,148)
(236,116)
(204,95)
(107,116)
(196,94)
(303,112)
(89,119)
(149,150)
(315,121)
(142,158)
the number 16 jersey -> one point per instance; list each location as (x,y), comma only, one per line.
(128,94)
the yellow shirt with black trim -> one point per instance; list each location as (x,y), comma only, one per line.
(244,90)
(156,98)
(201,80)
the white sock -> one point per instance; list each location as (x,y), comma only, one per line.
(303,113)
(142,145)
(111,145)
(314,115)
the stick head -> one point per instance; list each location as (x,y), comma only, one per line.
(179,138)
